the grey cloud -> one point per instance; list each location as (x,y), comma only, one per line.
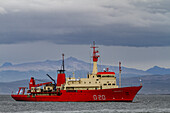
(123,23)
(2,10)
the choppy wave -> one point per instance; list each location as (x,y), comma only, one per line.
(141,104)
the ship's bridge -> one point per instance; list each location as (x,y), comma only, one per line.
(106,74)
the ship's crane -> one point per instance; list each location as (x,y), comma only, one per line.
(52,80)
(32,83)
(41,84)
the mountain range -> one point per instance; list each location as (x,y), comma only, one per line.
(10,72)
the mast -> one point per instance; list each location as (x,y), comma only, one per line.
(95,58)
(120,74)
(63,61)
(62,70)
(61,78)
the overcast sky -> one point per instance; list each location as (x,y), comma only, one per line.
(134,31)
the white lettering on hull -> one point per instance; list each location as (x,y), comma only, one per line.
(99,97)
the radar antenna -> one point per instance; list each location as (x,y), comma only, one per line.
(95,58)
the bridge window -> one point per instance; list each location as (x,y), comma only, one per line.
(113,84)
(104,84)
(109,84)
(107,75)
(98,75)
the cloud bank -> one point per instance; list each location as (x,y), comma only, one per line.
(143,23)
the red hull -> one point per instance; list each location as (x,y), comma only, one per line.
(116,94)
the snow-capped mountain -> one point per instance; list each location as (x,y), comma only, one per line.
(48,65)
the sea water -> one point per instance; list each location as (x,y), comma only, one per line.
(141,103)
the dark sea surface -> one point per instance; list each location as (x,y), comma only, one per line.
(141,103)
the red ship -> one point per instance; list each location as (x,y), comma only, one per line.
(97,87)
